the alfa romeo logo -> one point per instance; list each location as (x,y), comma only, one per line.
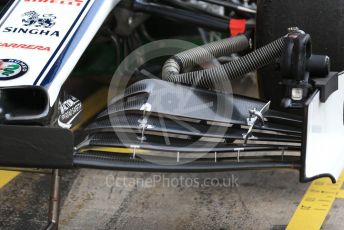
(12,68)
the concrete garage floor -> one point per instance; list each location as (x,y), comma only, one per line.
(94,199)
(254,201)
(122,200)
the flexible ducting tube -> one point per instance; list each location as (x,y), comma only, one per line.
(235,69)
(203,54)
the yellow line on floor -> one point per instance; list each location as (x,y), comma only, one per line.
(6,177)
(316,204)
(340,194)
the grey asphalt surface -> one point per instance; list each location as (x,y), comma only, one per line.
(94,199)
(264,200)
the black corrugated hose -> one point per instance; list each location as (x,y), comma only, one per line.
(203,54)
(233,70)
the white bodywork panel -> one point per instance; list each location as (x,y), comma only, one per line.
(50,37)
(325,135)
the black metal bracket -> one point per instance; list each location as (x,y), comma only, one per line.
(326,85)
(304,71)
